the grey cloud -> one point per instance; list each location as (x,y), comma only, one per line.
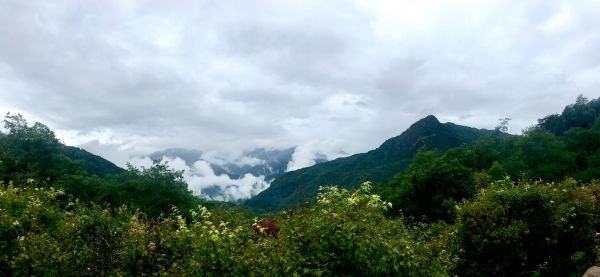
(130,78)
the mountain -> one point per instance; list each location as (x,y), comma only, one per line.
(252,171)
(91,164)
(34,152)
(190,156)
(296,187)
(269,163)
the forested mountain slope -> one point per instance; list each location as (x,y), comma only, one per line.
(33,156)
(296,187)
(502,206)
(92,164)
(560,146)
(34,151)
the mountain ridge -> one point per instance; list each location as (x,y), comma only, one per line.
(293,188)
(91,163)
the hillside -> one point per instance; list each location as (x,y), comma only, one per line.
(34,151)
(92,164)
(501,206)
(561,146)
(296,187)
(33,156)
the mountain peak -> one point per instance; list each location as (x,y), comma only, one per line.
(414,135)
(394,155)
(423,127)
(428,120)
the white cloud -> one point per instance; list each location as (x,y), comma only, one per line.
(126,78)
(561,20)
(200,177)
(307,154)
(250,161)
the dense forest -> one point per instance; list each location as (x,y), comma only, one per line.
(486,204)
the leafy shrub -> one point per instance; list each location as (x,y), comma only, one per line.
(24,211)
(345,233)
(512,229)
(432,185)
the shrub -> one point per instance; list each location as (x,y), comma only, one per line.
(512,229)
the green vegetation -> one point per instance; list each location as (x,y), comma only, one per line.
(582,114)
(345,233)
(513,229)
(34,153)
(294,189)
(434,183)
(503,205)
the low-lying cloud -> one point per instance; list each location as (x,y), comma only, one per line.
(220,178)
(128,78)
(313,152)
(203,181)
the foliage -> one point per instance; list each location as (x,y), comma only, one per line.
(154,190)
(24,211)
(34,153)
(431,186)
(295,188)
(345,233)
(582,114)
(90,163)
(513,229)
(29,152)
(66,212)
(433,183)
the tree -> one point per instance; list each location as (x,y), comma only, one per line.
(582,113)
(30,152)
(154,190)
(503,125)
(432,185)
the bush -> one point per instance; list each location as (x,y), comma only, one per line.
(344,233)
(512,229)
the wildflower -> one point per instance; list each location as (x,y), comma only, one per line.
(152,246)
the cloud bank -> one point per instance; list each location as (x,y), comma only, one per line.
(314,151)
(128,78)
(203,181)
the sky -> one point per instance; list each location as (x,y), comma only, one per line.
(125,78)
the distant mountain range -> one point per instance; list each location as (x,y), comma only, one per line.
(290,189)
(264,166)
(258,162)
(297,187)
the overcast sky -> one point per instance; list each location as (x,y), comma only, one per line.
(130,77)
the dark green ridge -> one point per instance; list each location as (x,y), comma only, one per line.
(295,188)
